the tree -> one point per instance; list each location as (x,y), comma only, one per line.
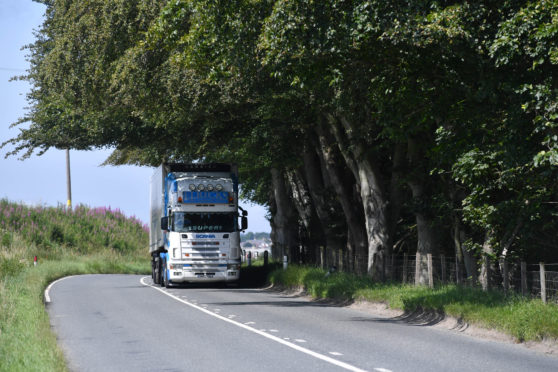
(366,127)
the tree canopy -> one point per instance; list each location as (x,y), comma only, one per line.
(366,127)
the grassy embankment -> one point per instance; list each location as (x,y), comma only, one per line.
(67,242)
(524,319)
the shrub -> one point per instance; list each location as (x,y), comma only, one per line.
(56,234)
(6,239)
(10,267)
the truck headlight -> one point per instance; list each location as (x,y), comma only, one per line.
(233,266)
(176,266)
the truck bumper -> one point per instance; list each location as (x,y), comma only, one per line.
(203,276)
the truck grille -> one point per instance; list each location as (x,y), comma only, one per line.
(203,250)
(214,267)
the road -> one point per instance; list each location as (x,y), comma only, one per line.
(123,323)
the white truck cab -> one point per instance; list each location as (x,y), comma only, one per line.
(195,230)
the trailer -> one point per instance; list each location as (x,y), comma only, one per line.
(194,223)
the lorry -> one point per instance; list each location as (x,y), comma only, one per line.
(194,233)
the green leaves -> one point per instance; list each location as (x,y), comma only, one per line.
(471,84)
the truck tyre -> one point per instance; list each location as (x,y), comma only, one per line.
(157,270)
(163,272)
(167,281)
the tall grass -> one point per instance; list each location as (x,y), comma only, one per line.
(67,242)
(83,228)
(522,318)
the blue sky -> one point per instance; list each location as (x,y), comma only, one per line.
(42,179)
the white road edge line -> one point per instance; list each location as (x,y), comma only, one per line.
(266,335)
(47,290)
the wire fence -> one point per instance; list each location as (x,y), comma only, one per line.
(532,280)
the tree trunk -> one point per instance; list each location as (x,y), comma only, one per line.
(343,187)
(332,225)
(487,267)
(426,241)
(464,258)
(395,200)
(285,229)
(373,199)
(396,193)
(307,213)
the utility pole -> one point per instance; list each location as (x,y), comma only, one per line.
(68,179)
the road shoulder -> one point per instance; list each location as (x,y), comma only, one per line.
(427,318)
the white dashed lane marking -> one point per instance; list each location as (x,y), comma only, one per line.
(299,348)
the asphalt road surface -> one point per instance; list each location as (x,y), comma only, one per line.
(124,323)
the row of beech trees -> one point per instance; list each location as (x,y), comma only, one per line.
(368,128)
(343,207)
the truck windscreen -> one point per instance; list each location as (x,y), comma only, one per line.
(204,222)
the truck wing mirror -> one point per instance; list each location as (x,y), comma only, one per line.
(244,212)
(244,223)
(165,223)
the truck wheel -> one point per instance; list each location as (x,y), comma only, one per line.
(163,273)
(167,282)
(157,271)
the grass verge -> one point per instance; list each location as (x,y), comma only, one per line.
(26,340)
(522,318)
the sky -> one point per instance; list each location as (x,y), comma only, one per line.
(41,180)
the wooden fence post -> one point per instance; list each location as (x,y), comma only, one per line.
(523,278)
(383,258)
(458,276)
(443,260)
(543,282)
(430,270)
(486,277)
(405,265)
(505,274)
(392,271)
(417,268)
